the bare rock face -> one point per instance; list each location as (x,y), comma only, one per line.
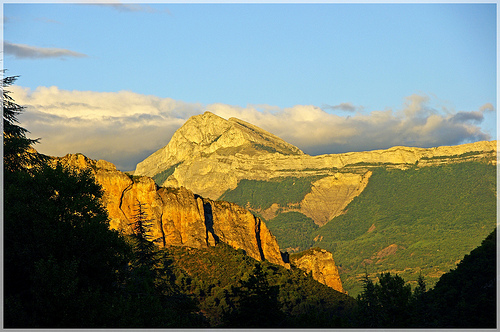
(239,228)
(180,218)
(322,266)
(205,134)
(210,155)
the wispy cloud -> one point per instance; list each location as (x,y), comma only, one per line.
(24,51)
(488,107)
(125,127)
(347,107)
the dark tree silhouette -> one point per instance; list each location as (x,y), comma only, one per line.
(144,248)
(18,152)
(257,303)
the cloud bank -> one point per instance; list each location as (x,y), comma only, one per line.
(125,127)
(23,51)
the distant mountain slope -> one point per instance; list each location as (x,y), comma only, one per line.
(211,156)
(311,201)
(421,220)
(466,297)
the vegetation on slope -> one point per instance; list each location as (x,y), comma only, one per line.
(414,221)
(220,279)
(260,195)
(467,295)
(463,298)
(293,230)
(163,175)
(420,220)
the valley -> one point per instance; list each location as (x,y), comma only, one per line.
(296,250)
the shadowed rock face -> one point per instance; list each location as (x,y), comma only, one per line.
(322,266)
(180,218)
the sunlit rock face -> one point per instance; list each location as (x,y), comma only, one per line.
(210,155)
(321,265)
(179,217)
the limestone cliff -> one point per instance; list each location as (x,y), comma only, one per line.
(321,265)
(210,155)
(180,217)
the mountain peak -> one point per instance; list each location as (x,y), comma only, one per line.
(206,134)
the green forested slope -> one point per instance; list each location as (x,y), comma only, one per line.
(406,221)
(426,219)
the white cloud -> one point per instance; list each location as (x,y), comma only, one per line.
(318,132)
(125,127)
(34,52)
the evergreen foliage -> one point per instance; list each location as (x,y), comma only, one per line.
(18,152)
(256,303)
(141,237)
(462,298)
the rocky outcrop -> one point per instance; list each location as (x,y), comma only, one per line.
(210,155)
(328,198)
(321,265)
(180,218)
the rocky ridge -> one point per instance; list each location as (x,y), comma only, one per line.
(205,134)
(210,155)
(180,218)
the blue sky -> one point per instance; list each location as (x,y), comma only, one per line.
(115,81)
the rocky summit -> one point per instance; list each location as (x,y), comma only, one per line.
(211,156)
(206,134)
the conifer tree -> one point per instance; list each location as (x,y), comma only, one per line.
(143,245)
(258,304)
(18,152)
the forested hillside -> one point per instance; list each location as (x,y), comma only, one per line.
(419,220)
(465,297)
